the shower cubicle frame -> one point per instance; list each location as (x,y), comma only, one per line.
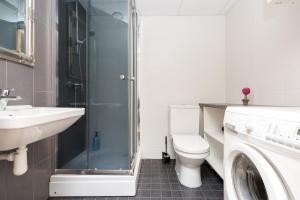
(65,182)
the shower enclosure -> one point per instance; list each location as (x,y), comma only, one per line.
(98,70)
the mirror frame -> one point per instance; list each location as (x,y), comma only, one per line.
(26,58)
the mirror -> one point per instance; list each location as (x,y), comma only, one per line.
(16,28)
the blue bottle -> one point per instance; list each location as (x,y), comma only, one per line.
(96,142)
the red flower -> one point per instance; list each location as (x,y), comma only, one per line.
(246,91)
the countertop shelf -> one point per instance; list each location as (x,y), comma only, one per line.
(218,136)
(217,105)
(225,105)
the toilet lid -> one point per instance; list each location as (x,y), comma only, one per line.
(190,144)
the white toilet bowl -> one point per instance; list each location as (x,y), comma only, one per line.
(191,151)
(190,148)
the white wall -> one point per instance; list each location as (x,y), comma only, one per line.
(182,62)
(263,52)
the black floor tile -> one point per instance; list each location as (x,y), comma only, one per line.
(158,181)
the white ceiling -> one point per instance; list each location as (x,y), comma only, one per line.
(183,7)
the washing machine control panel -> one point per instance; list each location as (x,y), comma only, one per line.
(284,133)
(276,131)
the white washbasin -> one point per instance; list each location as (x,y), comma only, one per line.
(22,125)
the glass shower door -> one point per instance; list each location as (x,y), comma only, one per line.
(109,86)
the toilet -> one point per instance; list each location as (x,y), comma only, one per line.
(190,148)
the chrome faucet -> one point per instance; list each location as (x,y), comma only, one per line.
(5,97)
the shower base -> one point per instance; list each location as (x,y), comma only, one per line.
(78,185)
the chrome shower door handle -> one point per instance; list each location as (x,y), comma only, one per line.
(122,77)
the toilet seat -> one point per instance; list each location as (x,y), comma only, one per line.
(191,155)
(190,144)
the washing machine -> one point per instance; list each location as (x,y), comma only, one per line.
(262,153)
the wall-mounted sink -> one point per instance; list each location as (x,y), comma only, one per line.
(23,125)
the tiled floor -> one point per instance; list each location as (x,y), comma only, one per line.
(159,182)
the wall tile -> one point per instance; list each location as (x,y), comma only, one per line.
(44,99)
(41,178)
(43,12)
(198,75)
(20,187)
(43,68)
(263,55)
(292,97)
(292,72)
(273,98)
(26,80)
(2,74)
(3,171)
(20,78)
(42,150)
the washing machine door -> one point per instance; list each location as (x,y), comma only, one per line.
(249,176)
